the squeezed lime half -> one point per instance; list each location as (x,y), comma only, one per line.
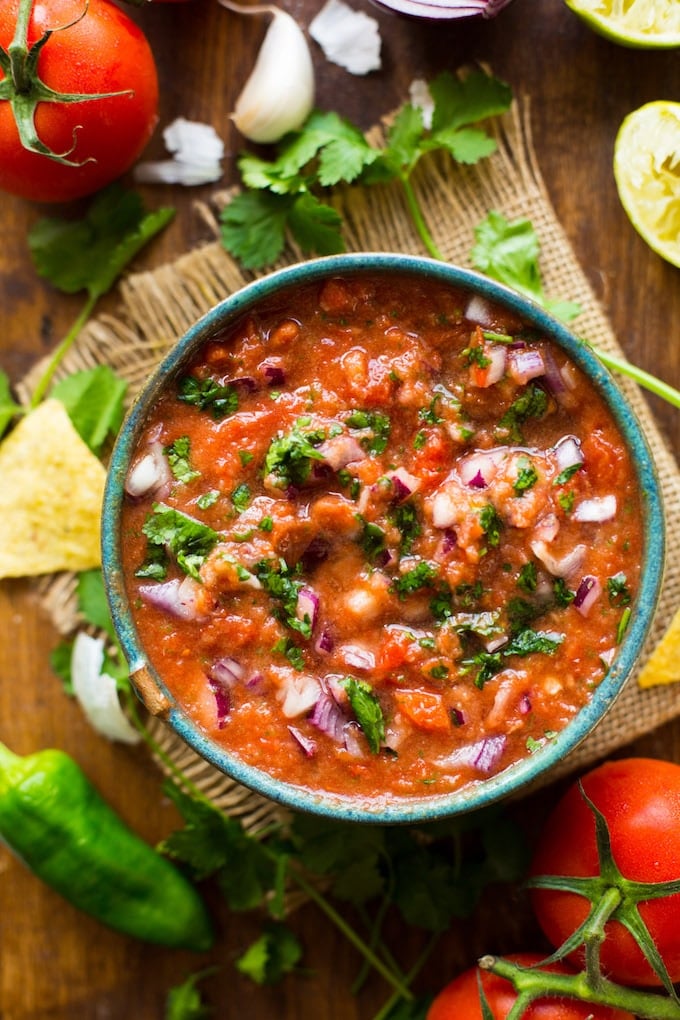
(647,173)
(646,24)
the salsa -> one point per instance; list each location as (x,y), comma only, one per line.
(381,538)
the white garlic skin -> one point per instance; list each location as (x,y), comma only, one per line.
(279,94)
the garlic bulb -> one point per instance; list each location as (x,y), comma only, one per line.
(279,94)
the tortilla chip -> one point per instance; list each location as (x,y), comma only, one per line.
(51,490)
(663,665)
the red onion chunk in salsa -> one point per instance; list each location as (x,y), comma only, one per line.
(396,564)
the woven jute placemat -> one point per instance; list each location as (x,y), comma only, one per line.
(158,306)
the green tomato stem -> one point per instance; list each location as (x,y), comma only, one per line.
(594,933)
(61,351)
(418,219)
(534,983)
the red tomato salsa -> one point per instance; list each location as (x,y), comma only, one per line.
(380,538)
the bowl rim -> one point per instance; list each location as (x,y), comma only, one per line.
(476,795)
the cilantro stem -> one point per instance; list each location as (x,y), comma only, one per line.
(62,349)
(397,981)
(419,219)
(385,1010)
(638,375)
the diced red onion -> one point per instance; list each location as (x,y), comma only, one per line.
(255,682)
(357,657)
(484,755)
(352,740)
(525,365)
(495,370)
(244,383)
(273,373)
(587,594)
(298,694)
(525,704)
(560,566)
(457,717)
(404,484)
(226,671)
(554,380)
(307,605)
(595,510)
(222,702)
(340,451)
(175,597)
(315,553)
(328,717)
(325,642)
(150,473)
(568,452)
(478,308)
(445,546)
(479,469)
(307,745)
(608,657)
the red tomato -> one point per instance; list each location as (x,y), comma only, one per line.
(104,51)
(459,1000)
(640,799)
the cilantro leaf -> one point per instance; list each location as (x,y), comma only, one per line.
(92,601)
(253,227)
(420,576)
(491,523)
(531,403)
(367,711)
(184,1001)
(93,400)
(90,253)
(208,395)
(315,226)
(464,100)
(290,455)
(8,406)
(375,422)
(178,454)
(187,539)
(532,642)
(351,854)
(509,252)
(273,954)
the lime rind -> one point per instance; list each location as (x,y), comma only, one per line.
(645,24)
(647,174)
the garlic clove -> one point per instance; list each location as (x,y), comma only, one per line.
(279,94)
(347,37)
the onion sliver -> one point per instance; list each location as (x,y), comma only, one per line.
(595,510)
(587,594)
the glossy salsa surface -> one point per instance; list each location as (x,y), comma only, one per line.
(380,538)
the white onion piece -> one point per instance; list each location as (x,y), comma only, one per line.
(498,357)
(96,692)
(480,311)
(560,566)
(444,509)
(547,529)
(307,606)
(298,694)
(178,598)
(150,473)
(353,740)
(595,510)
(568,452)
(482,465)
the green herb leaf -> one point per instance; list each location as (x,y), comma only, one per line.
(187,539)
(290,455)
(375,422)
(509,252)
(253,227)
(422,575)
(8,406)
(491,523)
(532,403)
(184,1001)
(94,401)
(178,454)
(90,253)
(618,590)
(528,578)
(404,516)
(208,395)
(273,955)
(92,601)
(527,476)
(367,711)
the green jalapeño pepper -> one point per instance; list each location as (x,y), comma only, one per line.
(59,826)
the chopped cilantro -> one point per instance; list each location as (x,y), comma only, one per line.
(469,594)
(429,414)
(491,524)
(524,642)
(623,624)
(532,403)
(266,524)
(208,499)
(372,539)
(566,474)
(208,395)
(178,454)
(379,425)
(240,497)
(521,613)
(367,711)
(483,624)
(497,338)
(291,651)
(562,594)
(527,578)
(289,457)
(245,456)
(273,954)
(188,540)
(618,591)
(439,672)
(419,440)
(566,500)
(475,356)
(527,476)
(278,580)
(421,576)
(404,516)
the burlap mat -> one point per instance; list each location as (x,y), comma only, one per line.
(157,307)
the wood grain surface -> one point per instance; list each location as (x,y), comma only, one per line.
(56,963)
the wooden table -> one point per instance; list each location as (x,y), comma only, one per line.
(57,963)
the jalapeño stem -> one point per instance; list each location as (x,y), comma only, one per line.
(532,983)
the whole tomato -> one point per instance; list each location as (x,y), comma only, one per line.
(459,1000)
(640,800)
(94,48)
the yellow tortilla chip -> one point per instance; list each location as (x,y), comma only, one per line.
(51,489)
(663,665)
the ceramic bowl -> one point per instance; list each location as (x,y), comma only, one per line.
(513,779)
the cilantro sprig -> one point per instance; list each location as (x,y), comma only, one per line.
(286,193)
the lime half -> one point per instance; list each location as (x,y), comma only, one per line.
(647,172)
(647,24)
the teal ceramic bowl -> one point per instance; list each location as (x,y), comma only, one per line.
(479,794)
